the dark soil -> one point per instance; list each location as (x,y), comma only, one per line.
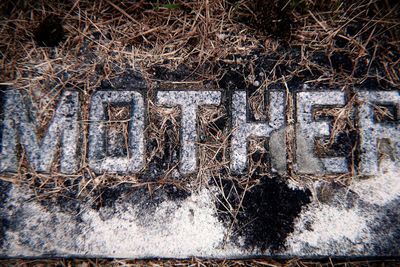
(268,211)
(50,32)
(341,61)
(130,80)
(270,17)
(182,73)
(273,17)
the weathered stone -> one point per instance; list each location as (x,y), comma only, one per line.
(188,101)
(242,130)
(372,131)
(294,209)
(308,129)
(20,124)
(99,161)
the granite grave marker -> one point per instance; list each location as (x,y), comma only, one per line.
(303,212)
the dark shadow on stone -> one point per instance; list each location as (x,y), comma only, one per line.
(175,193)
(268,211)
(66,200)
(144,200)
(107,196)
(160,164)
(2,100)
(5,187)
(130,80)
(217,126)
(385,229)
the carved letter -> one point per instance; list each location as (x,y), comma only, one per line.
(19,124)
(308,129)
(371,131)
(242,130)
(189,101)
(99,161)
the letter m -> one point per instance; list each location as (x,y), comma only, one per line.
(19,127)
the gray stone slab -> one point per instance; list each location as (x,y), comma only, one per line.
(66,190)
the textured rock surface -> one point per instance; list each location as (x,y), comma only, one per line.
(279,215)
(349,222)
(188,103)
(243,130)
(99,161)
(17,123)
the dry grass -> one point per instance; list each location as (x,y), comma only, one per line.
(103,38)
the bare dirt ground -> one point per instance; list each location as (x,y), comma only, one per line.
(50,46)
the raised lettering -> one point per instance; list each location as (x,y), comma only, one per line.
(371,130)
(99,161)
(308,129)
(242,130)
(189,101)
(19,125)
